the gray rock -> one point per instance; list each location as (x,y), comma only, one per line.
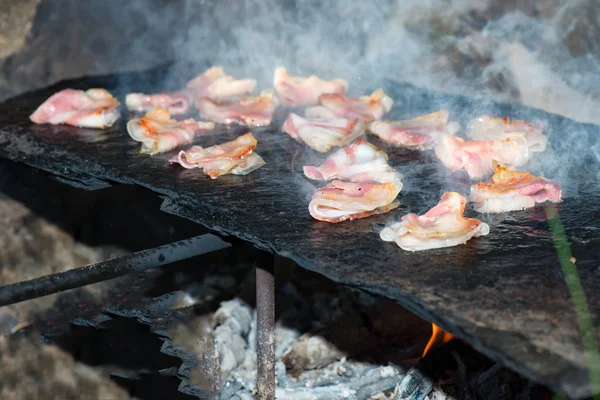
(16,19)
(33,371)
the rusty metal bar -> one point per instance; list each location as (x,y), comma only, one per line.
(102,271)
(212,364)
(265,326)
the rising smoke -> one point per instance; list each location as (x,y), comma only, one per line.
(516,54)
(539,53)
(482,48)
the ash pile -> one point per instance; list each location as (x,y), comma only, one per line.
(333,343)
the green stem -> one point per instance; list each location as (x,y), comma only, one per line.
(577,293)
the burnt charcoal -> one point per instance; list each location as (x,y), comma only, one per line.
(504,293)
(414,386)
(369,382)
(155,386)
(383,332)
(310,352)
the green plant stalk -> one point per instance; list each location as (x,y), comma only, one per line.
(582,311)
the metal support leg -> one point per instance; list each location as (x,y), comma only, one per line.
(265,326)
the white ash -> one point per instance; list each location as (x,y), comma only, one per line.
(233,321)
(330,376)
(325,371)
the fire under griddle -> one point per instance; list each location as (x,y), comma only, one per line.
(504,293)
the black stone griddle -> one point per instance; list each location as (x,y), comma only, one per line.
(504,293)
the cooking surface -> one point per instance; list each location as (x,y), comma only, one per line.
(504,293)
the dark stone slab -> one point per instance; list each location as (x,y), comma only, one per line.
(504,293)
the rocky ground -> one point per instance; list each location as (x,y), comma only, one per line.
(34,371)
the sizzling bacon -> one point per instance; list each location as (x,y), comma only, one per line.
(422,132)
(249,111)
(94,108)
(298,92)
(159,133)
(367,108)
(358,162)
(213,83)
(489,128)
(175,103)
(235,157)
(510,190)
(216,84)
(322,135)
(340,201)
(476,157)
(442,226)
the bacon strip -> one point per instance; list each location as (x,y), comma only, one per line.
(235,157)
(358,162)
(159,133)
(510,190)
(249,111)
(94,108)
(322,135)
(217,85)
(488,128)
(441,226)
(476,157)
(213,83)
(298,92)
(367,108)
(340,201)
(176,103)
(422,132)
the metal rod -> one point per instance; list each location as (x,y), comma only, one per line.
(265,326)
(102,271)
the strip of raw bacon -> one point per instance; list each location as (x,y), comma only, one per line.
(298,92)
(510,190)
(322,135)
(235,157)
(422,132)
(176,103)
(340,201)
(249,111)
(358,162)
(213,83)
(489,128)
(94,108)
(476,157)
(159,133)
(441,226)
(367,108)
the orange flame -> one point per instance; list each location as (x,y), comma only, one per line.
(437,336)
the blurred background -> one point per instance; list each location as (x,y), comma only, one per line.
(541,53)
